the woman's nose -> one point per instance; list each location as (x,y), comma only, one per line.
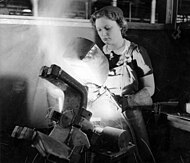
(104,33)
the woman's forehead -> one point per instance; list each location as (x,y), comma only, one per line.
(104,21)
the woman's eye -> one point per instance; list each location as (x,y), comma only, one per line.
(107,28)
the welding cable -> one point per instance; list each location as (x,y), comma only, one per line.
(35,157)
(181,158)
(133,137)
(135,142)
(149,150)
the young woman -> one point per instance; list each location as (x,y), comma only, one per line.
(130,76)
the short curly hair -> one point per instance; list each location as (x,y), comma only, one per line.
(112,13)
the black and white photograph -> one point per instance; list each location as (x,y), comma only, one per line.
(94,81)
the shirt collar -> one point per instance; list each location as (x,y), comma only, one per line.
(119,52)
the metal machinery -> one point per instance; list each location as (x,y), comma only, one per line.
(74,136)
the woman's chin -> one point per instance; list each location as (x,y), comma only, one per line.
(107,42)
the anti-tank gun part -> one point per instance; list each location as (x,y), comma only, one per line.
(108,132)
(72,131)
(66,141)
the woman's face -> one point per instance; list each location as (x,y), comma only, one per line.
(108,30)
